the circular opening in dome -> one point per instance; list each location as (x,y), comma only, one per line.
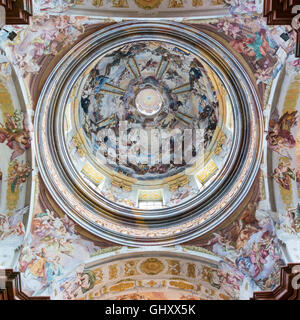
(148,102)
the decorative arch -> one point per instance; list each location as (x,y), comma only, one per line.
(151,274)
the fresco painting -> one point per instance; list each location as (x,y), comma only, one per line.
(54,251)
(202,109)
(15,166)
(181,279)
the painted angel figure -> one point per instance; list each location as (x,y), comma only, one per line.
(16,134)
(78,284)
(7,230)
(279,135)
(19,175)
(283,175)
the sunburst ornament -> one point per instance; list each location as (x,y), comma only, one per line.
(148,4)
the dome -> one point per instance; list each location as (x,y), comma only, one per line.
(149,133)
(144,123)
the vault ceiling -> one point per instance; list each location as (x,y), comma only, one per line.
(69,209)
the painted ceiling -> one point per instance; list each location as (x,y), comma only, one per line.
(93,127)
(158,91)
(52,250)
(136,8)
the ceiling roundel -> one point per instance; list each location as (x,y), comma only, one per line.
(148,133)
(162,104)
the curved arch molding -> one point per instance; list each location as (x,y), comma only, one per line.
(167,226)
(152,275)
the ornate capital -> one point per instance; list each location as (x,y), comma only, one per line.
(283,12)
(17,11)
(10,287)
(289,287)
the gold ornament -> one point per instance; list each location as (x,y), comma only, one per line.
(148,4)
(152,266)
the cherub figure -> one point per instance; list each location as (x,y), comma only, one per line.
(21,171)
(15,134)
(283,174)
(279,135)
(7,230)
(82,282)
